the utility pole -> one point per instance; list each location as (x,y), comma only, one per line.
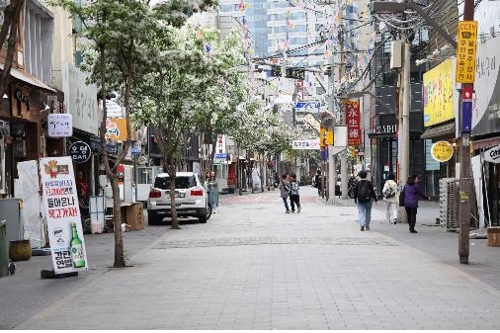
(343,155)
(464,184)
(404,120)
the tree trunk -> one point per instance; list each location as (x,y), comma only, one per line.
(111,172)
(173,212)
(11,24)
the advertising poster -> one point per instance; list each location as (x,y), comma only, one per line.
(353,121)
(64,226)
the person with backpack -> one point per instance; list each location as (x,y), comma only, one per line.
(409,198)
(363,198)
(294,193)
(390,192)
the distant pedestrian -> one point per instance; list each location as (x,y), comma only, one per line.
(284,187)
(390,193)
(317,181)
(410,195)
(363,198)
(294,194)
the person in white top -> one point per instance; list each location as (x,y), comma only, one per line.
(390,193)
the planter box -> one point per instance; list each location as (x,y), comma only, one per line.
(493,236)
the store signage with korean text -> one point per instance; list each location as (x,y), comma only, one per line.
(466,52)
(80,152)
(64,225)
(305,144)
(442,151)
(220,155)
(59,125)
(325,137)
(353,122)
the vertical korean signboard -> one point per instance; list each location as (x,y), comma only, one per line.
(466,51)
(353,122)
(64,226)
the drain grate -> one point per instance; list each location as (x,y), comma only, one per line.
(242,241)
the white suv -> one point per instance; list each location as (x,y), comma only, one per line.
(191,198)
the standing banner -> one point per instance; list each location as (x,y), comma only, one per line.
(64,226)
(353,122)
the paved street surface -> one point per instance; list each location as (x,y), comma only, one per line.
(254,267)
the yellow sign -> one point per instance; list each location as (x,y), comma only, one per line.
(325,137)
(442,151)
(466,51)
(116,129)
(438,94)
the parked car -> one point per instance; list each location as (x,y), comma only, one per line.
(191,198)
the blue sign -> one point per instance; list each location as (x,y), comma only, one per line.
(221,156)
(136,148)
(466,116)
(308,105)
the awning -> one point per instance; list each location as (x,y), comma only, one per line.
(439,131)
(28,78)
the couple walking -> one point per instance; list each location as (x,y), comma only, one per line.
(289,187)
(408,198)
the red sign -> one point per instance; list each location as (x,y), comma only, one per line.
(353,122)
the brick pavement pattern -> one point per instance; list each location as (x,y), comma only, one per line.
(254,267)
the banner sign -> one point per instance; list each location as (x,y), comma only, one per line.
(64,226)
(305,144)
(486,97)
(466,51)
(438,91)
(353,121)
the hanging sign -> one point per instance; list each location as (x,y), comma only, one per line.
(353,122)
(492,155)
(80,152)
(442,151)
(466,52)
(64,225)
(59,125)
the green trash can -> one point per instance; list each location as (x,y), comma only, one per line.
(4,250)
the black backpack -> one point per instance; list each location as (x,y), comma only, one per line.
(364,193)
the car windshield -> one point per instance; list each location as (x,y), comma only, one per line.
(180,182)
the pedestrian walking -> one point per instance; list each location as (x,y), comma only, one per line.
(294,194)
(363,198)
(390,193)
(284,187)
(409,199)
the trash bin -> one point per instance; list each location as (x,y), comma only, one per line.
(4,253)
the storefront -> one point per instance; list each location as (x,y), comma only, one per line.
(486,133)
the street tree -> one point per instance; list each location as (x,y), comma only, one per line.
(179,93)
(117,35)
(10,19)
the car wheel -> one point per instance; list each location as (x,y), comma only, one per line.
(205,214)
(153,219)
